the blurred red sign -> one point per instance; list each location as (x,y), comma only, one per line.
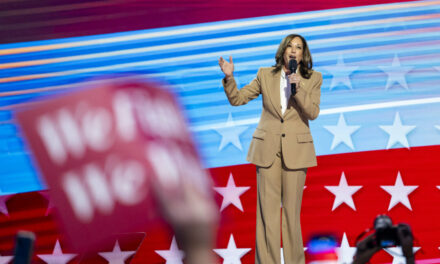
(102,150)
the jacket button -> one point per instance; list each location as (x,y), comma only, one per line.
(282,120)
(283,135)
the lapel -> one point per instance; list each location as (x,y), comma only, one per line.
(274,91)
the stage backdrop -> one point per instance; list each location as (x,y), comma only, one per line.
(377,136)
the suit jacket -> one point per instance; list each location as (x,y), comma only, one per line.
(290,129)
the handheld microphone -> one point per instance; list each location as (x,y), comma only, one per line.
(292,67)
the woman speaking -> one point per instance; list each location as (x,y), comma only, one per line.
(282,147)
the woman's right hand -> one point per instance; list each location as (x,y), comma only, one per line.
(226,67)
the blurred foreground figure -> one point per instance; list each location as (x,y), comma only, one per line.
(386,235)
(194,220)
(321,249)
(118,157)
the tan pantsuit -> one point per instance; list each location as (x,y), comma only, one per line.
(270,183)
(282,149)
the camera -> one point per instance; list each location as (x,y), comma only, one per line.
(386,232)
(389,235)
(385,235)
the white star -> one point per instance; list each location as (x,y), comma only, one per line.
(230,134)
(438,127)
(345,252)
(397,254)
(341,73)
(343,193)
(57,257)
(397,132)
(116,256)
(342,133)
(232,254)
(5,259)
(172,256)
(396,73)
(399,192)
(231,194)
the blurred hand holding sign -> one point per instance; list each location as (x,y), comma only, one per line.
(106,152)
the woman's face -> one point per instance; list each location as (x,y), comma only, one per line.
(294,51)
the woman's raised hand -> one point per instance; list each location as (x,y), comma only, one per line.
(226,67)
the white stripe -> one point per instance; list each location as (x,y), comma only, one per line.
(203,57)
(231,40)
(331,111)
(184,59)
(380,105)
(190,58)
(241,24)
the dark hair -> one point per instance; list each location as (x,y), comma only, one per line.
(306,63)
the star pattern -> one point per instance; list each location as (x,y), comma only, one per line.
(172,256)
(116,256)
(5,259)
(357,89)
(230,134)
(396,73)
(57,256)
(399,192)
(341,73)
(343,193)
(345,252)
(231,194)
(397,132)
(397,254)
(232,254)
(342,133)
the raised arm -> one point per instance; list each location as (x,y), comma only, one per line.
(226,67)
(236,96)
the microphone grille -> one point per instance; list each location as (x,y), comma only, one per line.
(293,65)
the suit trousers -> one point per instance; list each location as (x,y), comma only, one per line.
(278,186)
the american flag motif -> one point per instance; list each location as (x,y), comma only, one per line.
(377,136)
